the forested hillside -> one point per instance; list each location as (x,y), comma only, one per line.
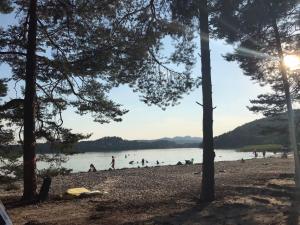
(271,130)
(119,144)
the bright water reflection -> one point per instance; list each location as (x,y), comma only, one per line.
(102,160)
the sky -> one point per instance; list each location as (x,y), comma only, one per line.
(231,94)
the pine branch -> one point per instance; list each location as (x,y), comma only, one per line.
(162,65)
(12,53)
(12,104)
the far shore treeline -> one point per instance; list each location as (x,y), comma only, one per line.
(107,144)
(269,133)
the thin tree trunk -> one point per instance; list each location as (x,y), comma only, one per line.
(291,118)
(208,173)
(29,108)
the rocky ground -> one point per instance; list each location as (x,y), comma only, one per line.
(258,191)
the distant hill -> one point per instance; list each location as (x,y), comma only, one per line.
(184,140)
(179,140)
(271,130)
(118,144)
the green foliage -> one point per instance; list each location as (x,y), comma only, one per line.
(5,6)
(261,148)
(251,25)
(52,172)
(54,162)
(86,48)
(10,164)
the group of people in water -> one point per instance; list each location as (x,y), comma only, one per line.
(143,161)
(255,153)
(112,164)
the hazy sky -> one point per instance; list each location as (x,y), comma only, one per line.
(231,93)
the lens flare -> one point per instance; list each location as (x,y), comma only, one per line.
(292,62)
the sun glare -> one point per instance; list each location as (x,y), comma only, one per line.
(292,62)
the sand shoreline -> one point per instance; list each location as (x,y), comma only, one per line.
(169,195)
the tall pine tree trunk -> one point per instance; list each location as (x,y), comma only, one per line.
(29,107)
(208,173)
(291,118)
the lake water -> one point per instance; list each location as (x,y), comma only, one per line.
(102,160)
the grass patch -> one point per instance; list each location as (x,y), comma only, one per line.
(261,148)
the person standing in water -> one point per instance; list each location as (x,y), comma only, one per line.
(255,153)
(112,162)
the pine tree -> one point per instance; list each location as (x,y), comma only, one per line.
(195,14)
(265,31)
(71,54)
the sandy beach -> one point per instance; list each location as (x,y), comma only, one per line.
(258,191)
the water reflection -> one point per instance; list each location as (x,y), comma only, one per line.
(152,157)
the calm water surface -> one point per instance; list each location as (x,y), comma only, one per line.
(102,160)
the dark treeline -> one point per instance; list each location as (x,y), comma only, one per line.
(106,144)
(269,130)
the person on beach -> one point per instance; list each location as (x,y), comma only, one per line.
(284,152)
(92,168)
(157,163)
(112,162)
(264,153)
(143,162)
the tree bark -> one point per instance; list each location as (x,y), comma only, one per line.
(29,163)
(208,179)
(290,112)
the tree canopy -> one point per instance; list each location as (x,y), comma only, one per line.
(84,49)
(70,54)
(250,26)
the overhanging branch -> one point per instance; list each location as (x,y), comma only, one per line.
(12,104)
(13,53)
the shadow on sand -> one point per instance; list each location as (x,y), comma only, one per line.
(244,205)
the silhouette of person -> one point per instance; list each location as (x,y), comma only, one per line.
(92,168)
(113,162)
(143,162)
(255,153)
(264,153)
